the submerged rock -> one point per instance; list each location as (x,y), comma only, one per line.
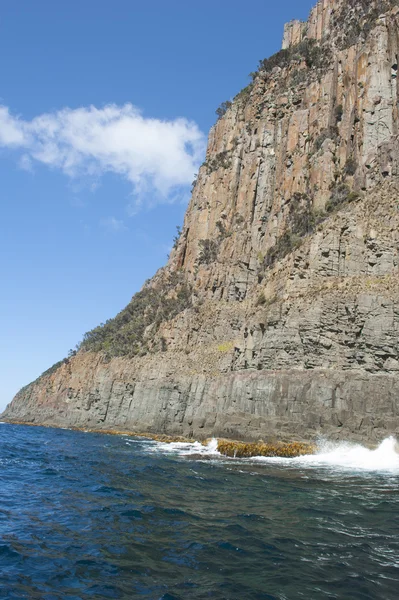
(279,449)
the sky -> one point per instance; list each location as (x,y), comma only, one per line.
(105,109)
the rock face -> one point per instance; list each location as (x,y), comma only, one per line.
(290,250)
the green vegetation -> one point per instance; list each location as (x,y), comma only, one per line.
(298,77)
(49,371)
(314,55)
(261,299)
(177,237)
(340,195)
(331,133)
(222,229)
(239,219)
(309,51)
(285,244)
(318,56)
(220,161)
(265,302)
(339,113)
(302,221)
(208,251)
(209,248)
(223,108)
(133,329)
(362,22)
(54,368)
(351,166)
(243,96)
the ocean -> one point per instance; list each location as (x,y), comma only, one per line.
(92,516)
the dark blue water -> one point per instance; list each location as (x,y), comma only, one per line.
(90,516)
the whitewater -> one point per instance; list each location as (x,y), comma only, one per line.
(339,455)
(86,516)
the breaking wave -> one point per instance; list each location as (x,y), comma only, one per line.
(185,449)
(354,457)
(102,516)
(340,455)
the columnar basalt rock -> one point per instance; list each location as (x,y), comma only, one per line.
(279,307)
(294,32)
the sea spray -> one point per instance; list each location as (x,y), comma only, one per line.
(336,455)
(209,448)
(348,456)
(354,456)
(89,516)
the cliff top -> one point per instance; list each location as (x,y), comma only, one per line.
(347,21)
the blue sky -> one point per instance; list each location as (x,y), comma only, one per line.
(104,111)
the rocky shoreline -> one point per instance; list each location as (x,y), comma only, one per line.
(277,314)
(229,448)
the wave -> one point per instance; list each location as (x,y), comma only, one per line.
(185,449)
(340,455)
(349,456)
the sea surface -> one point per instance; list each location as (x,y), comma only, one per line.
(91,516)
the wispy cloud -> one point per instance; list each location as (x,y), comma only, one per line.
(11,129)
(113,225)
(158,157)
(25,163)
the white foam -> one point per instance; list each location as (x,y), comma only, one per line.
(186,449)
(336,455)
(349,456)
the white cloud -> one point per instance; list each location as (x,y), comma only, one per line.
(157,157)
(11,129)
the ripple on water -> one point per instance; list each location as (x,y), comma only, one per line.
(89,516)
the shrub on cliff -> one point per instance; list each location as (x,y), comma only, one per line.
(222,160)
(357,18)
(339,112)
(243,96)
(54,368)
(309,51)
(285,244)
(133,329)
(351,166)
(341,195)
(177,237)
(331,133)
(208,251)
(302,221)
(223,108)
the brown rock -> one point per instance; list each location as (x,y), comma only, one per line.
(290,251)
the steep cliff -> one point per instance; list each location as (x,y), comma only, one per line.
(278,311)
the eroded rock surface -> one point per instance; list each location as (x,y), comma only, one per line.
(290,250)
